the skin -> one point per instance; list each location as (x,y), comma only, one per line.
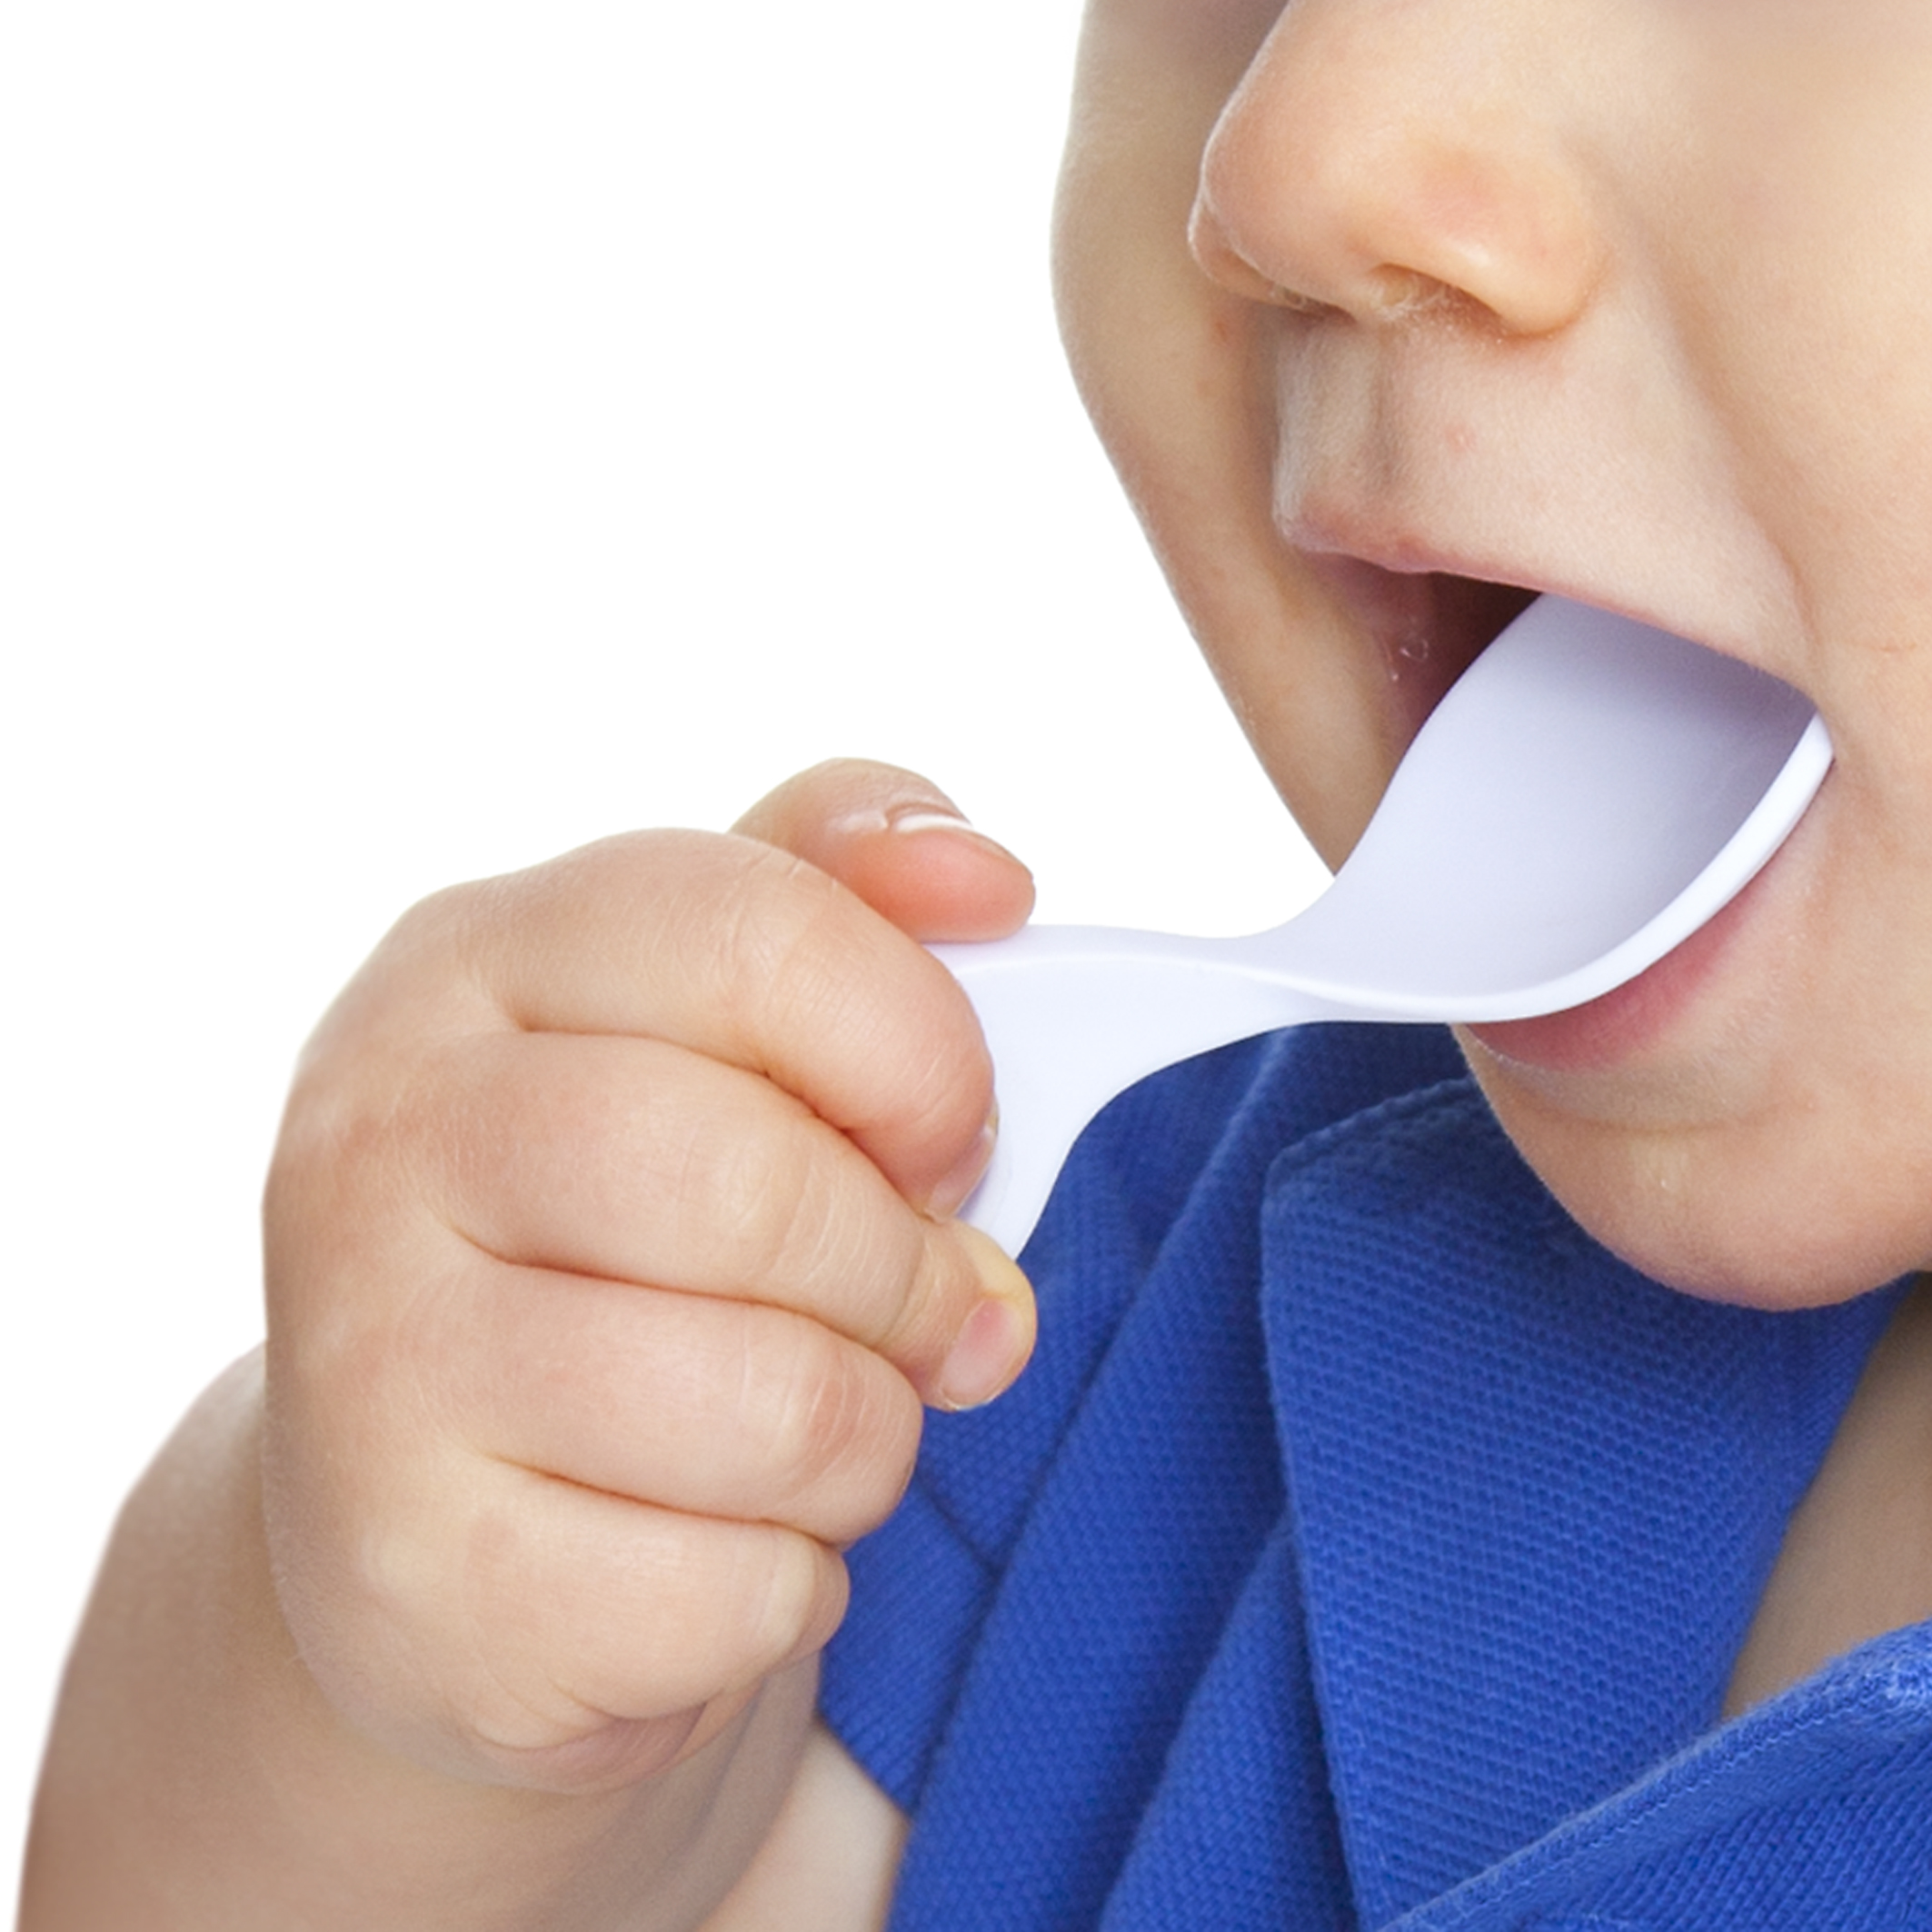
(1619,301)
(610,1258)
(610,1266)
(1500,296)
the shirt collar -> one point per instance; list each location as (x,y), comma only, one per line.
(1537,1495)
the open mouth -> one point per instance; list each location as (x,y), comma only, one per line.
(1430,625)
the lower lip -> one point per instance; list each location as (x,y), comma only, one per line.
(1610,1029)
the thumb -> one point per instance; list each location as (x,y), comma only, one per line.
(899,843)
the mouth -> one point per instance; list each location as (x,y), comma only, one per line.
(1429,624)
(1605,1033)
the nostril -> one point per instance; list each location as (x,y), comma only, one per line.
(1394,295)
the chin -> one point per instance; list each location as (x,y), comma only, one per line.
(1730,1212)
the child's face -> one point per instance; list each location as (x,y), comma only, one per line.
(1626,299)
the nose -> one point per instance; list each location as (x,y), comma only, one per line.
(1380,155)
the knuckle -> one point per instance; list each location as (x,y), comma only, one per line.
(370,1118)
(774,936)
(946,1075)
(791,1603)
(335,1126)
(937,1289)
(439,920)
(757,1197)
(842,1428)
(555,1638)
(808,957)
(717,1606)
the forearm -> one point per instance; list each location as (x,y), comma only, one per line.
(196,1776)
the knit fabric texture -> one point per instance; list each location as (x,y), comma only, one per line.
(1367,1547)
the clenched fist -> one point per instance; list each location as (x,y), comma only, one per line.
(610,1265)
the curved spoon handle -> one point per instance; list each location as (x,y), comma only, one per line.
(1074,1015)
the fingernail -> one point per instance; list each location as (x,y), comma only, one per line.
(910,815)
(926,818)
(952,1191)
(994,1345)
(989,1352)
(923,817)
(910,819)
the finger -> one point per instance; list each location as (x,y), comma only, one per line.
(745,954)
(644,1162)
(548,1616)
(632,1162)
(717,1408)
(440,1594)
(902,845)
(639,1611)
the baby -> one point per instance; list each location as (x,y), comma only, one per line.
(1371,1540)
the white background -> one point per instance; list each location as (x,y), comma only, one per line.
(432,437)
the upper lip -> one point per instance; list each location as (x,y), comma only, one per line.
(1429,610)
(1331,533)
(1328,533)
(1426,613)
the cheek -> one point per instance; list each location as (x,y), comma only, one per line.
(1179,380)
(1179,376)
(1798,258)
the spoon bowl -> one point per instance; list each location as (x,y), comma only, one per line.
(1587,795)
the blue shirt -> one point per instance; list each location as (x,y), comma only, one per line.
(1368,1548)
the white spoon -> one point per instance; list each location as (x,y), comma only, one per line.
(1587,794)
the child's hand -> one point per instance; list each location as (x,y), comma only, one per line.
(609,1265)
